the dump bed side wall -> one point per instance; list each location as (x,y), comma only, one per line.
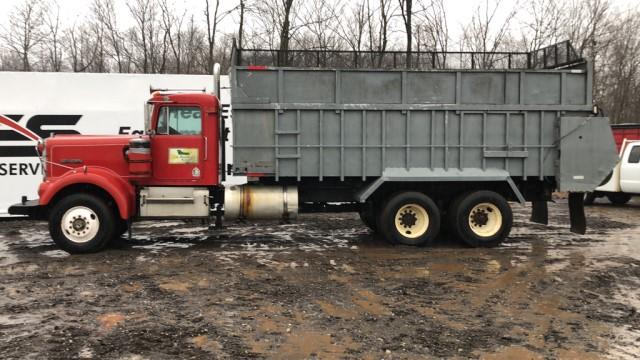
(331,123)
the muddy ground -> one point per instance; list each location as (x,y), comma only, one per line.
(325,287)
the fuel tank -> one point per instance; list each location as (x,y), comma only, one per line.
(261,202)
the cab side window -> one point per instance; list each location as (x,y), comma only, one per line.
(179,120)
(634,155)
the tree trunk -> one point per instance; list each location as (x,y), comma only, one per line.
(241,25)
(283,55)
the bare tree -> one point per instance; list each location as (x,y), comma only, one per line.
(483,35)
(542,24)
(379,24)
(51,42)
(407,12)
(432,31)
(587,20)
(276,23)
(241,23)
(24,31)
(353,27)
(587,28)
(213,20)
(212,27)
(321,24)
(621,85)
(83,46)
(148,42)
(104,12)
(285,30)
(194,46)
(172,26)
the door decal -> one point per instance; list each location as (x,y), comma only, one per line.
(183,155)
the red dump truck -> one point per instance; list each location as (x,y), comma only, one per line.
(412,148)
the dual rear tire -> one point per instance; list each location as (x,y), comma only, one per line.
(479,219)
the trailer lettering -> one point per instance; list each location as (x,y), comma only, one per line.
(19,169)
(126,130)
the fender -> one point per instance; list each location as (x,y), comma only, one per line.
(439,174)
(121,191)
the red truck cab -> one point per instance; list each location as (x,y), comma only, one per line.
(183,128)
(93,185)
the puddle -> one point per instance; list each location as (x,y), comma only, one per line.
(326,288)
(56,253)
(19,319)
(7,257)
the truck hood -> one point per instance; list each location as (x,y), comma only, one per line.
(72,151)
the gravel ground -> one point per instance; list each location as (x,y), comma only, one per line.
(325,287)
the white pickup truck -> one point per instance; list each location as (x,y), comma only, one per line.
(624,180)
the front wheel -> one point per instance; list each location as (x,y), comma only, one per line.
(618,198)
(409,218)
(481,218)
(121,228)
(81,223)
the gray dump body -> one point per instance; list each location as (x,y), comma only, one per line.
(531,124)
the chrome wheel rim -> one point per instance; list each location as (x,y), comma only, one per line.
(80,224)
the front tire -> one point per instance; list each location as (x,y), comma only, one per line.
(481,218)
(81,223)
(121,228)
(409,218)
(618,198)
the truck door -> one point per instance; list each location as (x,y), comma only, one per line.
(630,170)
(178,146)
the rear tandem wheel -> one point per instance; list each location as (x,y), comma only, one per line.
(480,218)
(409,218)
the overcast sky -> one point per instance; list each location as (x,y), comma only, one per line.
(458,11)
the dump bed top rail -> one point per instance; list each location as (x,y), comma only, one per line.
(560,55)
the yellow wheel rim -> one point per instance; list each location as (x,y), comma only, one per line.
(485,220)
(412,221)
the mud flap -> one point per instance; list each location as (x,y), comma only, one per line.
(539,212)
(576,213)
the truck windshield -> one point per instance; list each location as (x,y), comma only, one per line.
(179,120)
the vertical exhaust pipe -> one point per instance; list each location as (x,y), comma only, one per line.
(216,80)
(221,125)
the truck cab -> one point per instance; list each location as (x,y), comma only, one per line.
(183,134)
(624,180)
(94,186)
